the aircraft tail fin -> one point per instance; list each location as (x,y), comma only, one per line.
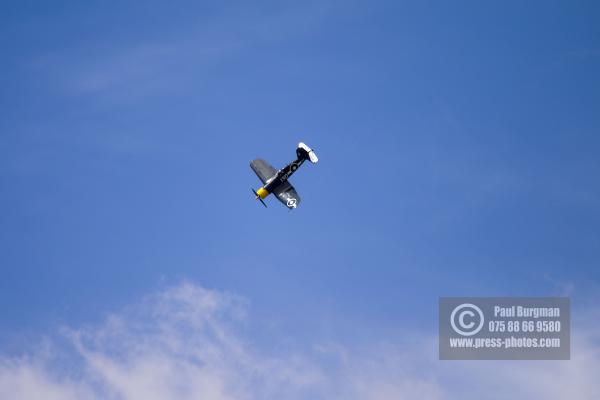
(306,153)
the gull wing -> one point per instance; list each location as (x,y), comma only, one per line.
(287,195)
(262,169)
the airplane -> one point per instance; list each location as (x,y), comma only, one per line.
(276,182)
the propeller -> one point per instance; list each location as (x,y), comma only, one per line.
(258,197)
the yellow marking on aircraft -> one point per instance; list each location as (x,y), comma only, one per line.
(262,193)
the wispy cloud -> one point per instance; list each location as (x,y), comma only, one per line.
(188,342)
(183,57)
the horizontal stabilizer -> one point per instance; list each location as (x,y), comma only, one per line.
(310,152)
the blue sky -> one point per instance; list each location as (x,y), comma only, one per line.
(458,149)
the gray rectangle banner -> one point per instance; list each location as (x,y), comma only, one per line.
(505,328)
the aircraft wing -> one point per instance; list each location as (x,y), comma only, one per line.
(262,169)
(287,195)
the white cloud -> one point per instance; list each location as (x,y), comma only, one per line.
(187,342)
(26,379)
(182,58)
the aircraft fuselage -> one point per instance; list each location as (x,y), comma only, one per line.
(281,177)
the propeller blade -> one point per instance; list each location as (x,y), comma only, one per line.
(258,197)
